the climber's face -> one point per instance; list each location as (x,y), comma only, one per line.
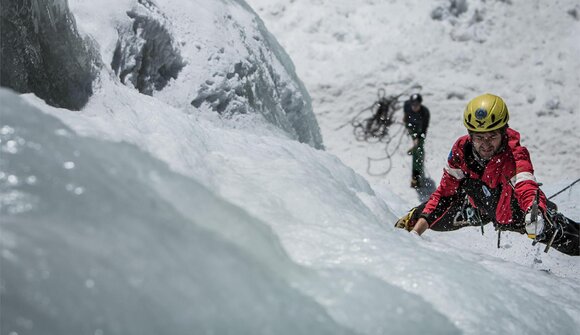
(487,144)
(415,106)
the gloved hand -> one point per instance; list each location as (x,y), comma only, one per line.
(414,147)
(534,229)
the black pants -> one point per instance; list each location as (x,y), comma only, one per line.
(567,231)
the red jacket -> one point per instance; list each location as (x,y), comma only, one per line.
(510,172)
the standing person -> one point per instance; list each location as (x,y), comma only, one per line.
(416,119)
(489,177)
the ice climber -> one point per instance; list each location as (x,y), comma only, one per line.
(489,177)
(416,120)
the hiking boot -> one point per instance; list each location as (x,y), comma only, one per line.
(406,222)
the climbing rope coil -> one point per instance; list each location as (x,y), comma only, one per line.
(375,128)
(380,127)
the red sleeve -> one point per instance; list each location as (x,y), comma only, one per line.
(524,181)
(452,175)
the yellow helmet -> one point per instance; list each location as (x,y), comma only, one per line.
(485,113)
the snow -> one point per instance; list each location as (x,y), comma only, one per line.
(143,215)
(523,51)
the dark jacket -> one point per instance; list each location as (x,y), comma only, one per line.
(416,122)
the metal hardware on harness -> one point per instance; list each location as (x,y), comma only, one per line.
(467,216)
(458,219)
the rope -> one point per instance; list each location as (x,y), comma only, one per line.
(355,117)
(565,188)
(389,155)
(376,127)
